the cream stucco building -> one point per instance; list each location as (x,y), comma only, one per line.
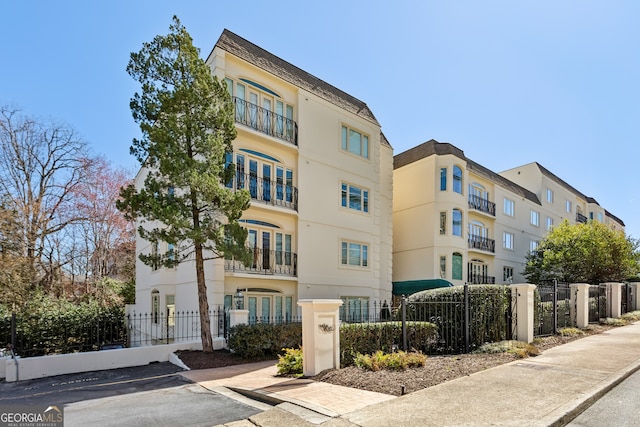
(319,171)
(456,220)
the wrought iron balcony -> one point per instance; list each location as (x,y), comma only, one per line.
(265,121)
(264,261)
(482,205)
(482,243)
(266,190)
(581,218)
(481,279)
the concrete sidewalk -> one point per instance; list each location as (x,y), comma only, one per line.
(546,390)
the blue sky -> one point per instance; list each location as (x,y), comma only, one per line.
(508,82)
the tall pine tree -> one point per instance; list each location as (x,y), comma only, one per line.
(187,123)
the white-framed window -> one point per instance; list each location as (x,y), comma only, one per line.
(443,179)
(354,254)
(456,228)
(354,197)
(355,142)
(533,245)
(509,207)
(549,224)
(457,179)
(507,240)
(600,217)
(567,206)
(535,218)
(549,195)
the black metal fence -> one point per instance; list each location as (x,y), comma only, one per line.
(552,308)
(466,318)
(597,302)
(30,336)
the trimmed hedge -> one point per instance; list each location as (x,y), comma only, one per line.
(264,340)
(368,338)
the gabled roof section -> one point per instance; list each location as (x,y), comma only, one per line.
(384,140)
(270,63)
(433,147)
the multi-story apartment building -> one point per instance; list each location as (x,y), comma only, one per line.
(456,220)
(319,171)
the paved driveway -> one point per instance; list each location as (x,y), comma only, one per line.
(152,395)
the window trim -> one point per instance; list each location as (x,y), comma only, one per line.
(508,243)
(345,251)
(507,202)
(364,151)
(535,215)
(457,181)
(365,197)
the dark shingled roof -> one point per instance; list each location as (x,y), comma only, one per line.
(613,217)
(432,147)
(259,57)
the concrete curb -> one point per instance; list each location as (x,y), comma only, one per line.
(574,408)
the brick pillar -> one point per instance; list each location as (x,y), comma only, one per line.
(579,308)
(320,335)
(522,299)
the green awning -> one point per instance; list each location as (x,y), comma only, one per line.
(409,287)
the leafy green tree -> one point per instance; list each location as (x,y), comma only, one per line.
(591,252)
(187,123)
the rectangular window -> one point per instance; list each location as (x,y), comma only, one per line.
(443,267)
(507,274)
(549,224)
(549,195)
(600,217)
(443,179)
(533,245)
(507,240)
(443,223)
(154,252)
(171,251)
(355,254)
(355,198)
(535,218)
(509,207)
(456,228)
(568,206)
(155,306)
(355,142)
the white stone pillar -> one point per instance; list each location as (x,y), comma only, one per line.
(238,317)
(635,296)
(580,304)
(320,335)
(614,299)
(522,299)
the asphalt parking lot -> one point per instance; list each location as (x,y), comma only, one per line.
(151,395)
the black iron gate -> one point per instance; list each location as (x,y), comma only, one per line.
(597,302)
(552,308)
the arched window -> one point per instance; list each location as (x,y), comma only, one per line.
(457,222)
(456,266)
(457,179)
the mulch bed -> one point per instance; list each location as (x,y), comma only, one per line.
(437,369)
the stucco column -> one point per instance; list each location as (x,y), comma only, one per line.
(320,335)
(614,299)
(579,308)
(635,296)
(522,299)
(238,317)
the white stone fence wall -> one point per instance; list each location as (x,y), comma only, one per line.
(19,369)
